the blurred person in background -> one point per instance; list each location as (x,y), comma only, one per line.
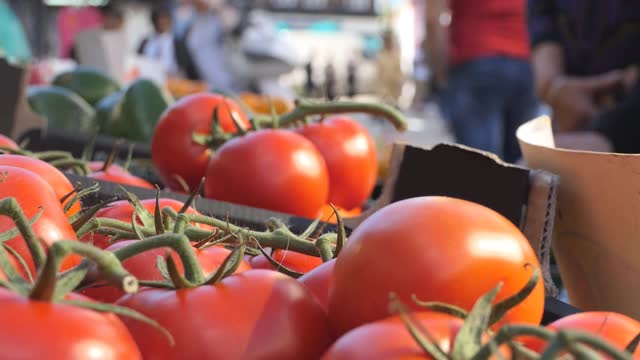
(160,45)
(72,20)
(421,77)
(112,20)
(13,40)
(479,54)
(200,47)
(389,70)
(585,56)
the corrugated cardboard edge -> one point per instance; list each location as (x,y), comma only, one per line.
(540,217)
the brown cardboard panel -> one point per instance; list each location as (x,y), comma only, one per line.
(595,238)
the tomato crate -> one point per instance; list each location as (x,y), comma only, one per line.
(524,196)
(39,139)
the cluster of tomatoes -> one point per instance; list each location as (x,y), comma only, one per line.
(210,290)
(295,170)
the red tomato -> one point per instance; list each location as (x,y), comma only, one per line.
(351,158)
(8,142)
(96,166)
(441,249)
(257,314)
(33,194)
(277,170)
(318,282)
(390,339)
(143,267)
(329,217)
(615,328)
(58,181)
(123,211)
(61,331)
(292,260)
(173,151)
(121,178)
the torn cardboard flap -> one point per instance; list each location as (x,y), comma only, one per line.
(524,197)
(596,240)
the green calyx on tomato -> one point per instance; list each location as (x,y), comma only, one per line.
(217,136)
(45,285)
(54,287)
(471,340)
(154,233)
(178,160)
(203,232)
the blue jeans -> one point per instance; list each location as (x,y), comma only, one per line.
(486,100)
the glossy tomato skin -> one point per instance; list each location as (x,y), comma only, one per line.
(98,165)
(116,176)
(350,154)
(390,339)
(617,329)
(441,249)
(318,281)
(290,259)
(123,211)
(6,141)
(54,177)
(328,215)
(257,314)
(143,267)
(33,194)
(45,330)
(173,151)
(277,170)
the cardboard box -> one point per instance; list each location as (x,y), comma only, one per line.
(597,232)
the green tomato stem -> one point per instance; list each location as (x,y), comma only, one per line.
(9,207)
(306,108)
(507,333)
(79,166)
(52,155)
(99,223)
(179,243)
(280,238)
(324,245)
(595,343)
(115,274)
(10,150)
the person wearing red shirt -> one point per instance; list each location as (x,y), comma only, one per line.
(479,54)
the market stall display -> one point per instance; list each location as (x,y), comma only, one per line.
(262,239)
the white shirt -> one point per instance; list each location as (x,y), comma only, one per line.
(206,49)
(160,47)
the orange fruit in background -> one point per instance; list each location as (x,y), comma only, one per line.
(261,104)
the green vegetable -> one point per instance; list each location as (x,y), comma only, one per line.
(92,85)
(132,113)
(62,108)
